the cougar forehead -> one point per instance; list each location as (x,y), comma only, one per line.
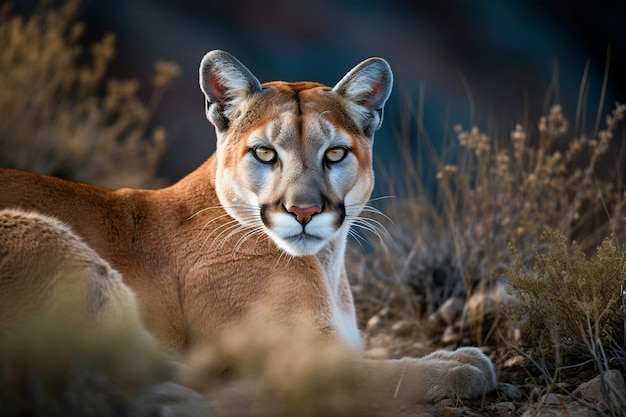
(310,102)
(300,121)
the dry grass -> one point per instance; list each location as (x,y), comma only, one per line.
(261,369)
(62,116)
(500,193)
(47,369)
(484,224)
(493,200)
(571,301)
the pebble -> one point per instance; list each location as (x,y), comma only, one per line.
(377,353)
(171,399)
(509,392)
(403,328)
(450,335)
(505,408)
(535,394)
(373,322)
(449,311)
(554,399)
(517,360)
(594,392)
(572,409)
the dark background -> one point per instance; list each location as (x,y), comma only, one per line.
(504,51)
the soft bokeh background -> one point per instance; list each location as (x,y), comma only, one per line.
(504,53)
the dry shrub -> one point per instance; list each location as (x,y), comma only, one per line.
(48,369)
(493,193)
(258,368)
(571,302)
(60,114)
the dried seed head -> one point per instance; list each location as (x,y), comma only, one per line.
(166,72)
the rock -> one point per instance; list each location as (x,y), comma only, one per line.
(449,311)
(377,319)
(403,328)
(467,412)
(614,389)
(572,409)
(564,386)
(555,399)
(377,353)
(452,409)
(168,399)
(558,405)
(517,360)
(373,322)
(505,408)
(509,392)
(447,403)
(450,336)
(420,347)
(535,394)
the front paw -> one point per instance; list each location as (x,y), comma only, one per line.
(466,373)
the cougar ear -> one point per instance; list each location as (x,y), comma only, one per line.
(367,87)
(226,83)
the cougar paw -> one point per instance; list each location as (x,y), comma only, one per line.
(469,373)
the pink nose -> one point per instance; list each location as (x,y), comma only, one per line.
(304,214)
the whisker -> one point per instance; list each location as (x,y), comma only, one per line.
(238,207)
(280,256)
(384,197)
(366,226)
(233,230)
(262,237)
(251,226)
(367,220)
(202,211)
(212,220)
(221,226)
(357,238)
(226,226)
(374,227)
(256,231)
(288,257)
(230,228)
(374,210)
(368,209)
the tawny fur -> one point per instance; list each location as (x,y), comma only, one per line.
(193,272)
(59,277)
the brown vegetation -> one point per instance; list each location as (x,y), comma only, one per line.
(540,216)
(496,198)
(60,113)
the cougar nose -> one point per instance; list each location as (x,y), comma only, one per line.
(304,214)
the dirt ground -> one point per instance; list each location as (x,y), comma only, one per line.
(526,386)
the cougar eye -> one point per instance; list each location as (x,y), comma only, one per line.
(263,154)
(336,154)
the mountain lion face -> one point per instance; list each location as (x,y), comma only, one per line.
(295,159)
